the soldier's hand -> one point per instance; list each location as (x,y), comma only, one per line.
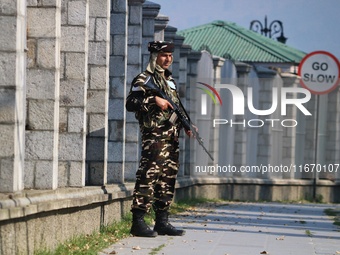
(162,103)
(190,133)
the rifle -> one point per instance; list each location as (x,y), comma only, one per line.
(183,117)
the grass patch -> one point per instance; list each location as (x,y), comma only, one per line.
(97,241)
(308,233)
(334,214)
(92,244)
(154,251)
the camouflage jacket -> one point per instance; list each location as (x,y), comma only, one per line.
(141,101)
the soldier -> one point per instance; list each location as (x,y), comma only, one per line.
(159,126)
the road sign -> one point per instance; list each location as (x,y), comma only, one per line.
(319,72)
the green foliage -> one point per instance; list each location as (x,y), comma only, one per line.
(97,241)
(334,214)
(155,251)
(309,233)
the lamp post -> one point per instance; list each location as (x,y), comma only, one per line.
(274,28)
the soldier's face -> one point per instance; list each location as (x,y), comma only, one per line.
(164,59)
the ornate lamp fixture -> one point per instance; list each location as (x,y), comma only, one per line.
(274,28)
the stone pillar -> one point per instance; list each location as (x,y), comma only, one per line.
(239,124)
(161,22)
(334,132)
(227,133)
(276,130)
(43,81)
(73,86)
(128,126)
(170,35)
(215,131)
(150,12)
(118,62)
(98,92)
(182,84)
(270,138)
(310,134)
(294,138)
(205,74)
(332,150)
(190,104)
(12,95)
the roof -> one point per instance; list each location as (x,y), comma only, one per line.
(228,40)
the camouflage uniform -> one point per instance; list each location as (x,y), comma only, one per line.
(157,172)
(156,176)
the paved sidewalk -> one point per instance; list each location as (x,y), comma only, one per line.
(244,229)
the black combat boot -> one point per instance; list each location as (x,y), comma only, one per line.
(163,227)
(139,227)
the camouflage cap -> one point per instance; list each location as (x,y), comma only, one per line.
(161,46)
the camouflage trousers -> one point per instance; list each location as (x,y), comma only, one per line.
(158,168)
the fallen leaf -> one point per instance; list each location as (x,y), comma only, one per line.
(113,252)
(264,252)
(136,248)
(280,238)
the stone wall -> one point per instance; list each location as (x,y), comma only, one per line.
(73,70)
(41,220)
(97,128)
(12,94)
(42,97)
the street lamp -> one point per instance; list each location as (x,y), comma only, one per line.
(275,27)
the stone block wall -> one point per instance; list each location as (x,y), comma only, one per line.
(293,142)
(63,102)
(43,90)
(67,88)
(12,94)
(332,146)
(63,111)
(133,67)
(117,74)
(97,111)
(239,124)
(73,88)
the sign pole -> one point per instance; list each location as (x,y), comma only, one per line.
(315,174)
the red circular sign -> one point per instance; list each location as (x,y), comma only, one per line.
(319,72)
